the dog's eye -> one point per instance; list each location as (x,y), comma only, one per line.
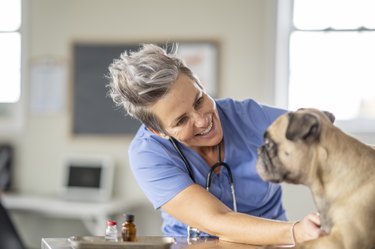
(269,144)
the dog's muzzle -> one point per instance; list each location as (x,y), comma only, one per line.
(265,158)
(267,168)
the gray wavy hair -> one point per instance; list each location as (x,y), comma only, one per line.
(139,79)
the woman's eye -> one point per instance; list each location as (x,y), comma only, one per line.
(181,121)
(198,103)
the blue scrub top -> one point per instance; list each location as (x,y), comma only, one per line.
(162,174)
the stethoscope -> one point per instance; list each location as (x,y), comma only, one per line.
(209,176)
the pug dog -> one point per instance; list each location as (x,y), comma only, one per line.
(305,147)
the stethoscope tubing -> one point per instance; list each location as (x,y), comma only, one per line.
(230,178)
(210,174)
(182,156)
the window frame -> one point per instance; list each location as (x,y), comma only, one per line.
(284,29)
(12,114)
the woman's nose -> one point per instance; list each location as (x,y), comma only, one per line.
(200,120)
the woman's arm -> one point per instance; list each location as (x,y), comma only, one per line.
(198,208)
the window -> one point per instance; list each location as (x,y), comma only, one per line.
(330,58)
(10,50)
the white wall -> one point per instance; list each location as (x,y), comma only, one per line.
(54,25)
(245,31)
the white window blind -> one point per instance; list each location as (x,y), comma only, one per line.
(10,51)
(331,57)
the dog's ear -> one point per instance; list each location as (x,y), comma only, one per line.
(330,116)
(303,126)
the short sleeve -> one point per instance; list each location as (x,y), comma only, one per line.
(249,116)
(272,113)
(160,174)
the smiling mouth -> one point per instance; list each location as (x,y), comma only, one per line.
(208,129)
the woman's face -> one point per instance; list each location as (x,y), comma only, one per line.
(189,115)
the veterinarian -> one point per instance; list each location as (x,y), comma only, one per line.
(185,134)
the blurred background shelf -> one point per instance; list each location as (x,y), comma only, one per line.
(93,214)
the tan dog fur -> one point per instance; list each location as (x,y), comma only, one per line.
(304,147)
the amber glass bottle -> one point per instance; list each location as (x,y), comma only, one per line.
(129,229)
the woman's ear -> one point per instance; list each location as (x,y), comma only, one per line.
(159,133)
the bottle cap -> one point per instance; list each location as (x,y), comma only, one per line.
(129,217)
(111,222)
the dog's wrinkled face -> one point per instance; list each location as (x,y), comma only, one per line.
(292,146)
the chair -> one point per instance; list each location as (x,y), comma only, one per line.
(9,237)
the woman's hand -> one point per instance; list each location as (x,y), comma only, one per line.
(308,228)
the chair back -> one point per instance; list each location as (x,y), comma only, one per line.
(9,237)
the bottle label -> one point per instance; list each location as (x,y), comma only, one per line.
(129,234)
(111,233)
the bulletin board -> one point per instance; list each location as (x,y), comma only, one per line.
(94,112)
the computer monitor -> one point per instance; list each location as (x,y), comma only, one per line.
(88,178)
